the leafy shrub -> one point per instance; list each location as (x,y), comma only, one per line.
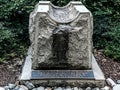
(106,26)
(9,45)
(112,48)
(13,28)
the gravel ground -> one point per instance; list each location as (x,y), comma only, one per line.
(10,71)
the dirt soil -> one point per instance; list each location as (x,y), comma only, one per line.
(10,70)
(110,67)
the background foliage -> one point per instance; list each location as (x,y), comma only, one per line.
(14,17)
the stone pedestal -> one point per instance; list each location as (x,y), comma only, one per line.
(61,46)
(91,77)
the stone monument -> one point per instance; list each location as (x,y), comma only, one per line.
(61,46)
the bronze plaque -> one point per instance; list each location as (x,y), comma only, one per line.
(62,74)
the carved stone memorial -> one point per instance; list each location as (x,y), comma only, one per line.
(61,45)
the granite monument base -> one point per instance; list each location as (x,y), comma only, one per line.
(92,77)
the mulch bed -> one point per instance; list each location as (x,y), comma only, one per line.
(110,67)
(10,70)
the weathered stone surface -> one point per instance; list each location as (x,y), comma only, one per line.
(61,38)
(68,88)
(88,88)
(29,85)
(11,86)
(1,88)
(75,88)
(45,87)
(80,89)
(40,88)
(110,82)
(118,81)
(99,80)
(6,88)
(117,87)
(48,88)
(34,89)
(59,88)
(105,88)
(17,88)
(22,87)
(96,88)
